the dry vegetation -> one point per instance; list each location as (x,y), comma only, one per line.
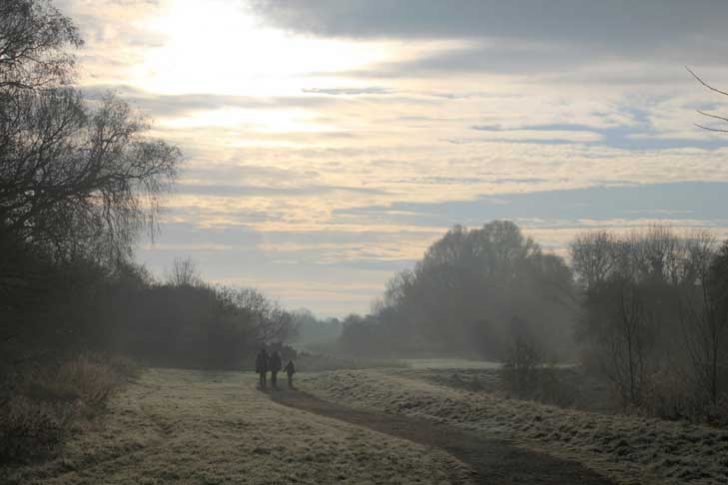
(41,406)
(197,427)
(628,449)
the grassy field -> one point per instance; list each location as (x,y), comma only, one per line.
(177,426)
(628,449)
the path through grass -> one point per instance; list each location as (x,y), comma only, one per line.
(190,427)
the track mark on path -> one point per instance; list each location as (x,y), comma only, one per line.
(496,462)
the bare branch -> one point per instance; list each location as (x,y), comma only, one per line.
(707,128)
(700,80)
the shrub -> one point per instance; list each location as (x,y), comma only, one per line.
(520,371)
(84,379)
(37,407)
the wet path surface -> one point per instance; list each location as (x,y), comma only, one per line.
(494,462)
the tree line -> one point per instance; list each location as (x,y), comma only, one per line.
(470,291)
(654,315)
(648,310)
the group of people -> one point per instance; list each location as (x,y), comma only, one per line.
(272,363)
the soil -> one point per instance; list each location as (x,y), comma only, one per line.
(494,462)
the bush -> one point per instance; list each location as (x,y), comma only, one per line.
(520,371)
(38,407)
(674,396)
(525,376)
(86,379)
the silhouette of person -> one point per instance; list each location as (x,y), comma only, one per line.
(274,365)
(290,370)
(261,367)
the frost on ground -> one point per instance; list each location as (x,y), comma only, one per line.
(629,450)
(179,426)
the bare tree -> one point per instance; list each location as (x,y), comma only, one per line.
(629,282)
(704,315)
(34,42)
(73,179)
(184,272)
(591,257)
(711,116)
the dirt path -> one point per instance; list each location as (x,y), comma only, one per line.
(495,462)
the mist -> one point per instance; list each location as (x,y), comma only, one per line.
(272,242)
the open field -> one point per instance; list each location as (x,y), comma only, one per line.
(192,427)
(629,450)
(397,425)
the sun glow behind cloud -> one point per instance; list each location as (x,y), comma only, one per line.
(216,46)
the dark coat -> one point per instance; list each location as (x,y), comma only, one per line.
(290,368)
(261,362)
(274,364)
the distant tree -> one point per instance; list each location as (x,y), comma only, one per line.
(640,290)
(312,330)
(523,361)
(704,314)
(184,272)
(466,289)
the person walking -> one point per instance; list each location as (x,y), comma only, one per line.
(290,370)
(261,367)
(274,365)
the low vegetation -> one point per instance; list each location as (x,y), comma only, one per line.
(628,449)
(42,406)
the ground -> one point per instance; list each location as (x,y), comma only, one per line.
(626,449)
(367,426)
(177,426)
(494,462)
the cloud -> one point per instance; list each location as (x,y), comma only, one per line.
(674,201)
(178,105)
(640,135)
(667,29)
(348,91)
(277,190)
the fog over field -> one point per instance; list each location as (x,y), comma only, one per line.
(363,241)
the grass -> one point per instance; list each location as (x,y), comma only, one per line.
(41,407)
(308,362)
(450,364)
(628,449)
(175,426)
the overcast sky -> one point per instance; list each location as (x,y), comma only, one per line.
(329,142)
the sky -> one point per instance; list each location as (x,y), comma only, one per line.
(328,143)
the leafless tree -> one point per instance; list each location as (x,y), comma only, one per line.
(591,257)
(704,315)
(73,179)
(184,272)
(34,45)
(711,116)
